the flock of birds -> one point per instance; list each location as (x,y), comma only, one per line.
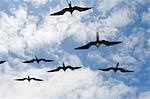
(96,43)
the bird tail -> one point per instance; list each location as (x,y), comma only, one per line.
(69,3)
(63,64)
(35,57)
(97,36)
(117,65)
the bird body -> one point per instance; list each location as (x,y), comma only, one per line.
(29,79)
(1,62)
(115,69)
(71,9)
(97,43)
(37,60)
(64,68)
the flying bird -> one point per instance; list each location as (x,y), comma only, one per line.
(37,60)
(97,43)
(1,62)
(29,79)
(70,9)
(64,68)
(115,69)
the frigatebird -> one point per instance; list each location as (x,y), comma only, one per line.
(115,69)
(71,9)
(64,68)
(29,79)
(97,43)
(37,60)
(1,62)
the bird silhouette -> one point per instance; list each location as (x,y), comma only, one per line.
(71,9)
(97,43)
(1,62)
(115,69)
(37,60)
(29,79)
(64,68)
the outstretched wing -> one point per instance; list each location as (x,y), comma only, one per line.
(124,70)
(1,62)
(55,70)
(37,79)
(86,46)
(60,12)
(30,61)
(22,79)
(45,60)
(106,69)
(107,43)
(73,68)
(81,8)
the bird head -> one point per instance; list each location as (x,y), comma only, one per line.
(38,61)
(64,69)
(29,80)
(71,12)
(115,69)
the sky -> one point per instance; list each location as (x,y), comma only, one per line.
(27,30)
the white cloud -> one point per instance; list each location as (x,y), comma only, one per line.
(119,18)
(106,5)
(98,57)
(143,1)
(37,3)
(19,32)
(146,17)
(136,44)
(79,84)
(144,95)
(124,58)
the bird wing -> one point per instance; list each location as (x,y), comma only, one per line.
(1,62)
(107,43)
(81,8)
(60,12)
(30,61)
(37,79)
(22,79)
(106,69)
(55,70)
(45,60)
(86,46)
(124,70)
(73,68)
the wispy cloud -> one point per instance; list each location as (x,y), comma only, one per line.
(23,35)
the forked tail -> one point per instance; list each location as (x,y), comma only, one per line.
(97,36)
(117,65)
(69,3)
(63,64)
(36,57)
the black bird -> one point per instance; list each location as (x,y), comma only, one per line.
(37,60)
(115,69)
(1,62)
(71,9)
(29,79)
(64,68)
(97,43)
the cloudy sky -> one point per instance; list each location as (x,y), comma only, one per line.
(26,30)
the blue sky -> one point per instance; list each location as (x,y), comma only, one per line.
(26,30)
